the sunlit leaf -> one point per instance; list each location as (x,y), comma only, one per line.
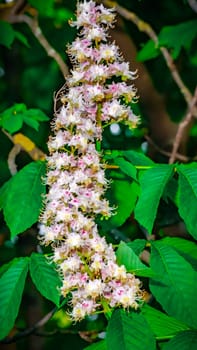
(12,118)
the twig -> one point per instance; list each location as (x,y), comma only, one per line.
(146,28)
(36,30)
(17,7)
(182,127)
(30,330)
(193,5)
(26,144)
(12,157)
(179,156)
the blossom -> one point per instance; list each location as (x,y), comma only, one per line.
(97,93)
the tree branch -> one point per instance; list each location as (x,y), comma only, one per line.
(30,330)
(193,5)
(12,157)
(146,28)
(25,144)
(179,156)
(36,30)
(182,127)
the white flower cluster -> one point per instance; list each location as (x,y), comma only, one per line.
(97,94)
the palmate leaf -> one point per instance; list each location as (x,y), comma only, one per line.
(11,288)
(45,277)
(21,198)
(153,182)
(176,289)
(177,36)
(137,245)
(149,50)
(135,158)
(187,196)
(186,340)
(162,325)
(126,167)
(12,118)
(127,257)
(184,247)
(128,331)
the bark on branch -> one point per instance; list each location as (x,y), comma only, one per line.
(182,126)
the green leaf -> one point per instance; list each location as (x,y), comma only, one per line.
(137,158)
(31,122)
(112,154)
(45,8)
(22,199)
(153,182)
(61,15)
(7,34)
(12,118)
(178,36)
(36,114)
(128,331)
(123,195)
(21,38)
(149,50)
(137,245)
(11,288)
(161,324)
(187,196)
(5,267)
(186,340)
(33,116)
(176,289)
(45,277)
(101,345)
(126,167)
(126,256)
(3,192)
(184,247)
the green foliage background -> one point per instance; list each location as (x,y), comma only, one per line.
(155,227)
